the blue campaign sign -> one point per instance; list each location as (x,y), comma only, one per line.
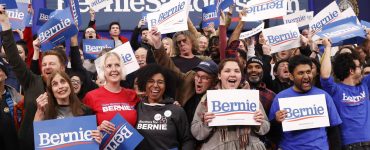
(68,134)
(210,16)
(43,16)
(341,30)
(225,4)
(57,30)
(17,17)
(365,23)
(92,47)
(74,7)
(124,137)
(9,4)
(28,20)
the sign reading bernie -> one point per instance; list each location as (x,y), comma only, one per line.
(283,37)
(265,9)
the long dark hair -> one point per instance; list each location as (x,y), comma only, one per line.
(75,104)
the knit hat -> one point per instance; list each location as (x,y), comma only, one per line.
(255,60)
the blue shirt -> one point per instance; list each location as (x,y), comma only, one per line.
(353,107)
(308,139)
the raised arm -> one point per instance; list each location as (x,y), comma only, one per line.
(222,36)
(135,35)
(238,29)
(325,69)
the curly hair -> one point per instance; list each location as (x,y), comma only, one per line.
(188,35)
(343,63)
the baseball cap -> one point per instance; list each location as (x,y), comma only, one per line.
(208,66)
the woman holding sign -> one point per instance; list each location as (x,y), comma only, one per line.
(228,137)
(60,102)
(163,124)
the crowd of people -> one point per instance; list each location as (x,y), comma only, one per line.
(166,99)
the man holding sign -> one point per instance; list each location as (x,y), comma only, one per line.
(310,134)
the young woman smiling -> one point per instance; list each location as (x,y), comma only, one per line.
(228,137)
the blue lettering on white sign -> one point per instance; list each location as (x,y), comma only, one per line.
(278,39)
(168,14)
(314,110)
(225,107)
(276,4)
(329,18)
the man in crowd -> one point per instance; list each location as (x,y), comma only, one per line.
(114,32)
(185,44)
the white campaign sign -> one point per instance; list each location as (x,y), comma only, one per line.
(171,17)
(304,112)
(99,4)
(302,18)
(283,37)
(329,14)
(265,9)
(348,13)
(252,32)
(233,107)
(127,55)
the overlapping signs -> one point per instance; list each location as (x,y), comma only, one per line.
(233,107)
(252,32)
(283,37)
(304,112)
(265,9)
(44,15)
(74,7)
(70,133)
(57,30)
(329,14)
(92,47)
(9,4)
(99,4)
(19,17)
(302,18)
(124,137)
(127,55)
(171,17)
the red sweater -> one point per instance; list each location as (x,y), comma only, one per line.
(106,104)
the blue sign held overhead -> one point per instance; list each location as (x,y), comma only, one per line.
(58,29)
(365,23)
(124,137)
(9,4)
(68,134)
(225,4)
(17,17)
(44,15)
(74,7)
(210,16)
(92,47)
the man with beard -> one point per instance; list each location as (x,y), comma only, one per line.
(300,68)
(351,97)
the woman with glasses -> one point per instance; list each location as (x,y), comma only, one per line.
(163,124)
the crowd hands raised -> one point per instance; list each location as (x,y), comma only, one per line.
(175,74)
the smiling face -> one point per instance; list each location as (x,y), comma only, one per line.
(112,69)
(60,88)
(230,75)
(76,83)
(254,73)
(50,63)
(155,88)
(202,43)
(140,55)
(302,78)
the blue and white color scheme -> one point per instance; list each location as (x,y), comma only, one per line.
(342,30)
(210,16)
(328,15)
(9,4)
(74,7)
(365,24)
(304,112)
(99,4)
(92,47)
(57,30)
(171,17)
(17,17)
(68,134)
(265,9)
(124,137)
(283,37)
(224,4)
(233,107)
(44,15)
(302,18)
(252,32)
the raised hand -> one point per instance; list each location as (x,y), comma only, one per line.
(154,38)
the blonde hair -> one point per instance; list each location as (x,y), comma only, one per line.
(102,64)
(173,52)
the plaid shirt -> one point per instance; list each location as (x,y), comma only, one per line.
(266,96)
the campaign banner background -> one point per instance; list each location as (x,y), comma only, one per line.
(124,132)
(302,18)
(74,7)
(127,56)
(18,17)
(72,124)
(252,32)
(225,4)
(92,47)
(169,21)
(306,122)
(280,32)
(265,9)
(242,117)
(329,14)
(60,36)
(99,4)
(342,30)
(212,16)
(44,15)
(9,4)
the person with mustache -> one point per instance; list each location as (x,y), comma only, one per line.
(300,68)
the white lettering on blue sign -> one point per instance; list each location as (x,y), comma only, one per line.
(50,140)
(265,6)
(63,24)
(324,21)
(15,14)
(95,49)
(303,112)
(44,17)
(209,16)
(120,136)
(74,11)
(169,13)
(278,39)
(341,32)
(233,106)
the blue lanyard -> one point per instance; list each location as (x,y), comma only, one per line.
(10,103)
